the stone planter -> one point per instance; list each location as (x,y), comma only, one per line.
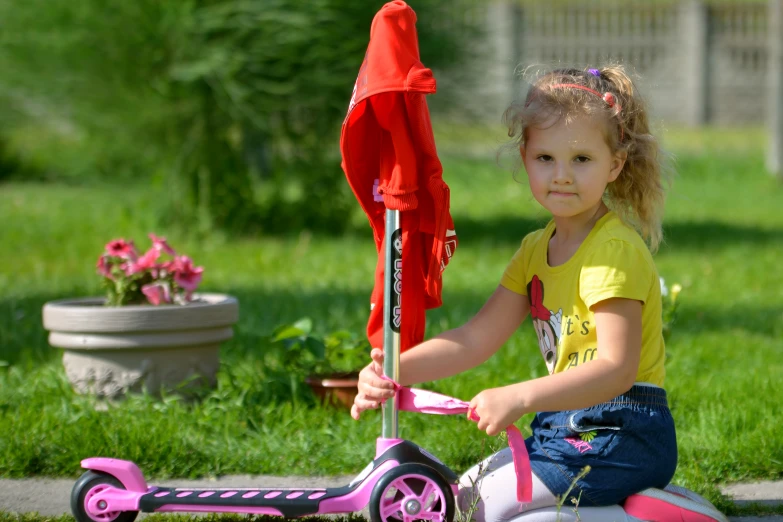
(109,351)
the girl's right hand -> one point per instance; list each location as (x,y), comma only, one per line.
(372,389)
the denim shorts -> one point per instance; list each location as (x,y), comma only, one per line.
(629,443)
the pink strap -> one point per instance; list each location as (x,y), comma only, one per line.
(425,401)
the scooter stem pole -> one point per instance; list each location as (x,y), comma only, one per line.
(392,299)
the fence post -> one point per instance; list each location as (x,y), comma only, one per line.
(695,65)
(501,18)
(775,89)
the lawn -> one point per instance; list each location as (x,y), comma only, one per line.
(724,230)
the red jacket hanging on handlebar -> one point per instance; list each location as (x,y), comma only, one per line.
(390,160)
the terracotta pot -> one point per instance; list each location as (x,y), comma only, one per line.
(109,351)
(338,388)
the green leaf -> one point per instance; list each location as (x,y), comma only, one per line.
(305,324)
(315,347)
(340,335)
(286,332)
(301,328)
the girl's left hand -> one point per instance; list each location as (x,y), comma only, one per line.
(496,409)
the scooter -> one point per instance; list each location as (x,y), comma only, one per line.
(403,482)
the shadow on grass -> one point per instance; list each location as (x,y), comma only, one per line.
(23,339)
(682,235)
(710,235)
(499,229)
(757,320)
(678,235)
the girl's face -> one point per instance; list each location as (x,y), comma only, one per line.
(570,165)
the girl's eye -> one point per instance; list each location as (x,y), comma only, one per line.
(582,159)
(545,157)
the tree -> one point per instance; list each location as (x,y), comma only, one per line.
(207,96)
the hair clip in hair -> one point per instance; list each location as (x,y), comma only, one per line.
(607,97)
(594,72)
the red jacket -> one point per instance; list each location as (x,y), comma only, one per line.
(390,160)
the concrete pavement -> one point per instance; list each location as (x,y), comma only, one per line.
(766,493)
(52,496)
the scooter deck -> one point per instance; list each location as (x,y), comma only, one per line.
(290,502)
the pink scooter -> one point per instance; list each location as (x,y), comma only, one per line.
(403,482)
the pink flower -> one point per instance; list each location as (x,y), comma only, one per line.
(159,243)
(121,248)
(186,275)
(128,268)
(145,262)
(104,268)
(169,278)
(157,293)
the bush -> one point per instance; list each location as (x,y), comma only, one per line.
(208,98)
(10,166)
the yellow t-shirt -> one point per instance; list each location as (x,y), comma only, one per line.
(613,261)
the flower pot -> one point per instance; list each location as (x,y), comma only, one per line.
(338,388)
(109,351)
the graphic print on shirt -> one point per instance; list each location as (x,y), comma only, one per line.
(546,323)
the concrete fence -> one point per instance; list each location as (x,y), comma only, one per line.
(699,61)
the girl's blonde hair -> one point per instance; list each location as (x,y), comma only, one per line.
(639,192)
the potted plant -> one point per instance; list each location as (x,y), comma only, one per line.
(150,331)
(330,364)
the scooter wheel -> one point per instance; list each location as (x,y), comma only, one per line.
(90,484)
(412,492)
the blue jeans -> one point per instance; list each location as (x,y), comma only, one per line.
(629,443)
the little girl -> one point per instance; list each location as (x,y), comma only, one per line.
(590,285)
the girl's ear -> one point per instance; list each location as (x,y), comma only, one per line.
(618,162)
(522,152)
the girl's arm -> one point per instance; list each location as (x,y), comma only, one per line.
(613,372)
(449,353)
(463,348)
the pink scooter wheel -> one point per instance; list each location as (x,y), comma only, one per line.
(89,485)
(412,492)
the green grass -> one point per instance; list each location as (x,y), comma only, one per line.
(724,228)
